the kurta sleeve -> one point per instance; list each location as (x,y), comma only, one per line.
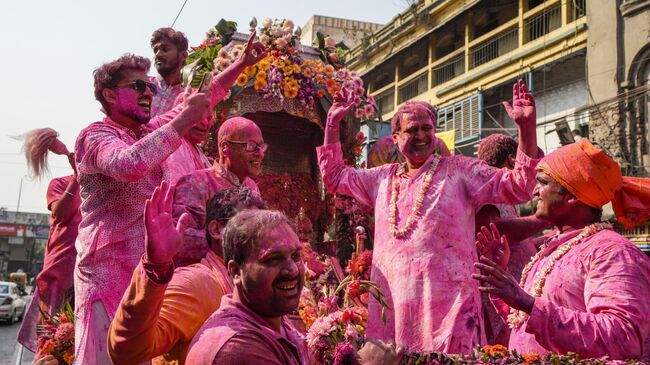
(105,153)
(190,196)
(246,348)
(617,297)
(489,185)
(361,184)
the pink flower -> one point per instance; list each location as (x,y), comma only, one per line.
(359,113)
(222,53)
(344,354)
(329,42)
(64,333)
(267,22)
(288,24)
(369,110)
(265,40)
(280,43)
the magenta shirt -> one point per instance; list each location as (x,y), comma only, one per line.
(596,301)
(165,99)
(426,276)
(234,334)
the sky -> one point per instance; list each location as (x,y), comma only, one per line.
(50,48)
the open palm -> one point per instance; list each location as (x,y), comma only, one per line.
(163,239)
(522,111)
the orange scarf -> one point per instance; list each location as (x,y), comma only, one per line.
(595,179)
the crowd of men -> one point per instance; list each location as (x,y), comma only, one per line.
(175,258)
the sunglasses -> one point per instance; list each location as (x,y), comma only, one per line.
(253,146)
(140,86)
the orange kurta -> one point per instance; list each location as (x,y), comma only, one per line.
(155,319)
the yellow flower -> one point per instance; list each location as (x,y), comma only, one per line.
(296,69)
(290,93)
(306,71)
(291,83)
(259,84)
(261,75)
(530,358)
(495,350)
(250,71)
(264,64)
(242,79)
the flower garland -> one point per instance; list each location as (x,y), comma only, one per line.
(517,317)
(415,214)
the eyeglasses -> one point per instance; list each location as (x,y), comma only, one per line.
(140,86)
(253,146)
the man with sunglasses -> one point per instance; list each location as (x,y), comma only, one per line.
(241,150)
(120,163)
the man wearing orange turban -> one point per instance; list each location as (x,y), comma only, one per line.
(588,289)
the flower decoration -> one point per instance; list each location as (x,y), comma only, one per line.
(56,335)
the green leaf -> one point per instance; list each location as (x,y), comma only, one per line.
(226,29)
(321,39)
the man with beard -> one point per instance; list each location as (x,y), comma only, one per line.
(163,308)
(119,164)
(424,223)
(263,256)
(170,51)
(588,289)
(241,150)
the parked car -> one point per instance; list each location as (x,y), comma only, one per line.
(12,305)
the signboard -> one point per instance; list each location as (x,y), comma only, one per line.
(449,138)
(20,230)
(8,230)
(640,236)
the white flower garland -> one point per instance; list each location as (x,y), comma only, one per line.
(517,317)
(415,214)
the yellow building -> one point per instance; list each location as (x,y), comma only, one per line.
(463,56)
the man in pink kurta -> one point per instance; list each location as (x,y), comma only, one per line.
(170,51)
(595,298)
(423,274)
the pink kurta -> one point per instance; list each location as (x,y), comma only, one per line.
(165,98)
(191,196)
(596,300)
(426,276)
(56,277)
(117,172)
(235,334)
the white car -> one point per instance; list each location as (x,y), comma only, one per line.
(12,305)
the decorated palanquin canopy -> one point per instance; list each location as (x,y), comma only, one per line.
(293,78)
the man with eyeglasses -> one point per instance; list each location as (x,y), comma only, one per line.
(241,150)
(119,162)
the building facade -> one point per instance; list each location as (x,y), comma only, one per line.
(463,57)
(618,58)
(350,32)
(23,237)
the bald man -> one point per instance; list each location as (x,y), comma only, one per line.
(241,150)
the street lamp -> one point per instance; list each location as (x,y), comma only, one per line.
(20,192)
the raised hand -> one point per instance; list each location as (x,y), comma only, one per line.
(197,103)
(162,239)
(523,110)
(253,52)
(491,244)
(341,107)
(496,281)
(375,352)
(45,360)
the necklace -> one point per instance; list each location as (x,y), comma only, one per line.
(517,317)
(415,214)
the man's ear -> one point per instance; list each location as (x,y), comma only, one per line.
(511,161)
(214,228)
(234,271)
(182,57)
(109,95)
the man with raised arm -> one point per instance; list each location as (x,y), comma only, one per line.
(424,219)
(588,289)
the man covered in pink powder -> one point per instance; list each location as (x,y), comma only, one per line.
(241,150)
(424,219)
(119,163)
(588,290)
(170,51)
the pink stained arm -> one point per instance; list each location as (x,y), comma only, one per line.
(520,228)
(101,151)
(361,184)
(617,320)
(489,185)
(62,205)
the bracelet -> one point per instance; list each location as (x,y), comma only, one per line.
(69,193)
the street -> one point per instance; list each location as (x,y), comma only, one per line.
(9,348)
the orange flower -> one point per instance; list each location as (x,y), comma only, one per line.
(329,70)
(47,348)
(530,358)
(306,72)
(495,350)
(259,84)
(291,83)
(320,93)
(290,92)
(261,75)
(242,79)
(296,69)
(250,71)
(264,64)
(68,357)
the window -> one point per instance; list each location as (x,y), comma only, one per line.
(463,117)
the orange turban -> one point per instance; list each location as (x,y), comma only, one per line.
(595,179)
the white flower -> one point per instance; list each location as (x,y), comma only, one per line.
(277,32)
(264,39)
(288,24)
(280,43)
(267,22)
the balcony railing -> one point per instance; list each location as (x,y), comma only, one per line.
(543,23)
(449,70)
(386,102)
(414,87)
(579,8)
(494,47)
